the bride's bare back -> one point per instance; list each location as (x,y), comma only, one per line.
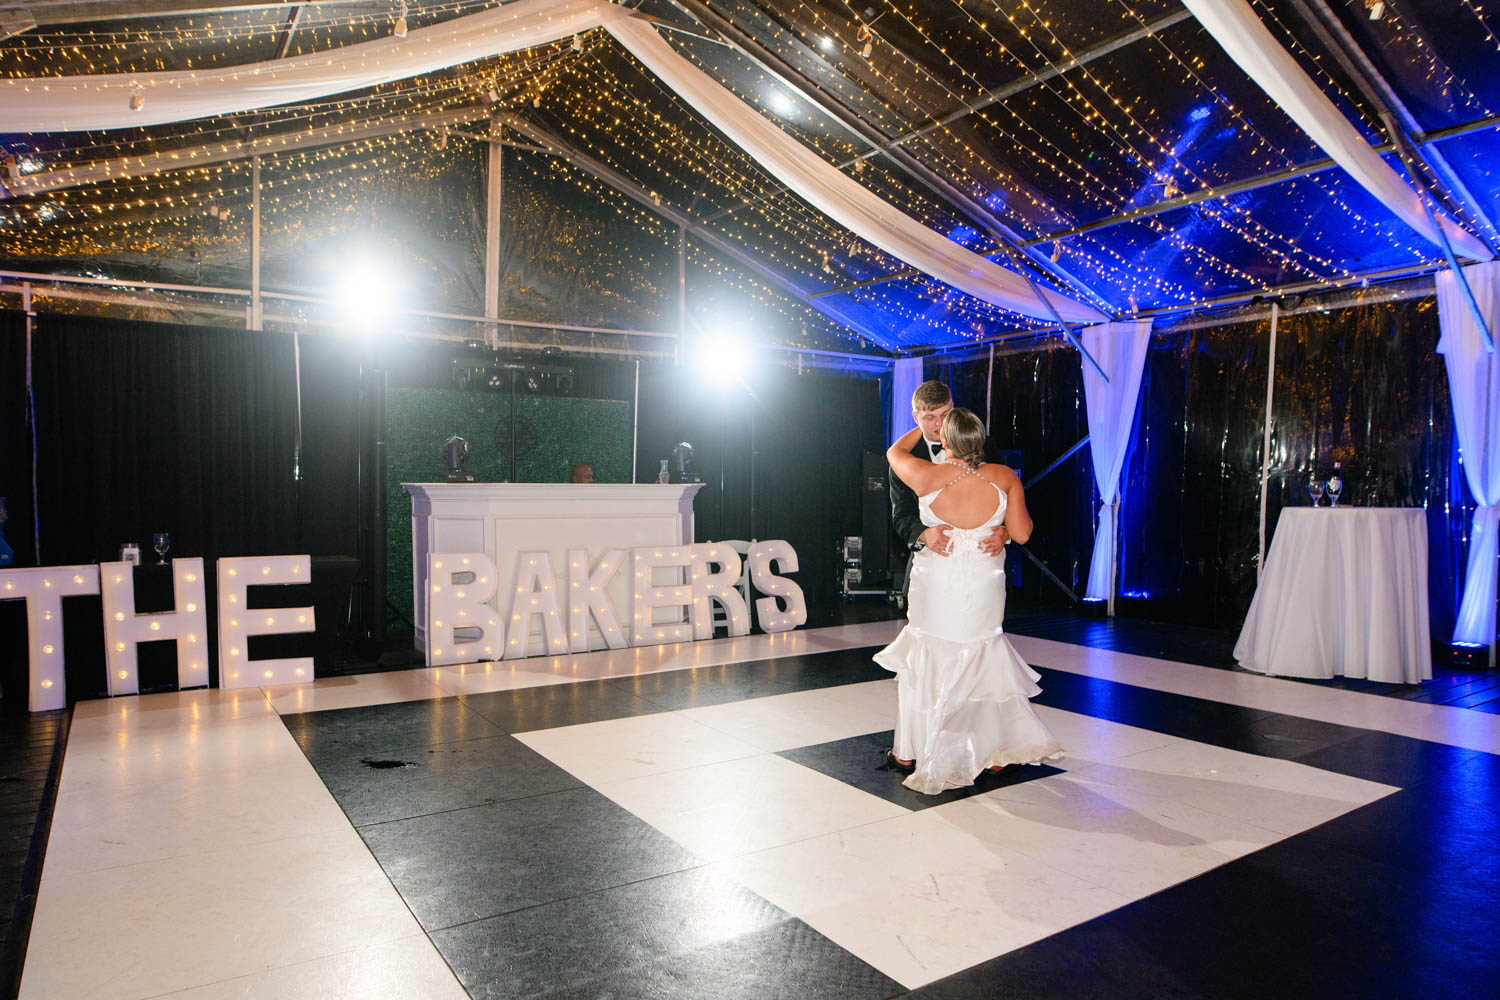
(971,500)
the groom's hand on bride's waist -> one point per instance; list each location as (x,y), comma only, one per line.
(936,539)
(995,542)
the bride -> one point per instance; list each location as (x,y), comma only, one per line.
(962,688)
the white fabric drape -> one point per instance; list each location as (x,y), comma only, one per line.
(834,193)
(74,103)
(1236,28)
(1473,384)
(1120,349)
(906,375)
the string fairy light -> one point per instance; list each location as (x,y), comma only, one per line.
(1085,144)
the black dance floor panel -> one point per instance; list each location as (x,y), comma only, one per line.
(675,690)
(383,729)
(860,761)
(467,864)
(687,934)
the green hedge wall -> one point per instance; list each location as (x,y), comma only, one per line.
(553,433)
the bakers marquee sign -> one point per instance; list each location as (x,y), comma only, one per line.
(469,617)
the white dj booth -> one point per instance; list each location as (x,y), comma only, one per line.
(504,520)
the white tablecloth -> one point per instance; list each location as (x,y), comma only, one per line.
(1344,591)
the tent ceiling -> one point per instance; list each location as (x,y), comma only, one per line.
(1046,152)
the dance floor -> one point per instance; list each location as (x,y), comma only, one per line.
(716,820)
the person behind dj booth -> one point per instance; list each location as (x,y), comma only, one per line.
(929,405)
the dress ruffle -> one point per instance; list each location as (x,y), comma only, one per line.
(964,707)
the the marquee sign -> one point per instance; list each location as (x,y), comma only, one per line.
(679,583)
(470,616)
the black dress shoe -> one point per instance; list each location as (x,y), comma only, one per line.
(897,764)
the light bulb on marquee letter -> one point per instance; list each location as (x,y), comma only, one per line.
(43,589)
(772,618)
(124,628)
(648,596)
(237,622)
(719,586)
(462,627)
(587,597)
(535,593)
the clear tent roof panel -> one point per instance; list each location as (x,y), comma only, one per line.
(1156,119)
(1475,158)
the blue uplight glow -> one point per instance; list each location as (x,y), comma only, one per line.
(962,233)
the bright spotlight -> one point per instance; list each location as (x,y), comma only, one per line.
(825,43)
(722,359)
(781,104)
(365,295)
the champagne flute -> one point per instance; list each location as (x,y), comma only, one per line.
(1315,490)
(161,541)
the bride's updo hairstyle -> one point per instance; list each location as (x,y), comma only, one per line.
(965,436)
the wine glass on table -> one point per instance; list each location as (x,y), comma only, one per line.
(1335,485)
(161,542)
(1315,490)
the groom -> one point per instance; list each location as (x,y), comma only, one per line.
(929,405)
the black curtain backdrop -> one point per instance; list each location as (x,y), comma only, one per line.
(15,438)
(145,427)
(805,436)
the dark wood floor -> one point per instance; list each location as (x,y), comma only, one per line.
(31,749)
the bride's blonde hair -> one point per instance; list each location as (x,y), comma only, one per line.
(965,436)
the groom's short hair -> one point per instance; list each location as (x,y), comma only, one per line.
(930,395)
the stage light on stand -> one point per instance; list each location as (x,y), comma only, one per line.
(364,295)
(721,359)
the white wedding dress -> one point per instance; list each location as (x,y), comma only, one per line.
(962,687)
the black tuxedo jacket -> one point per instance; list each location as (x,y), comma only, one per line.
(906,519)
